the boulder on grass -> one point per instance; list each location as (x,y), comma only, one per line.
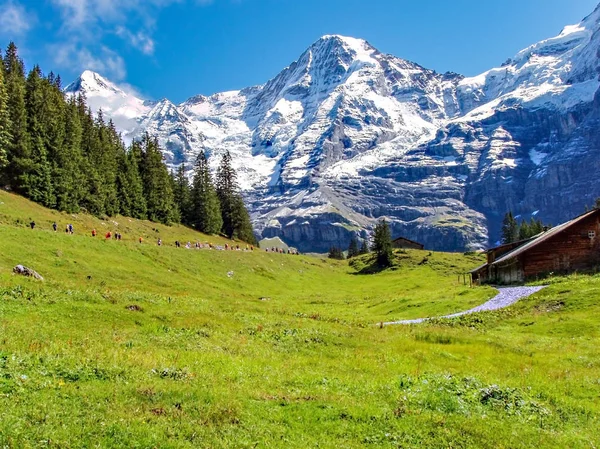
(24,271)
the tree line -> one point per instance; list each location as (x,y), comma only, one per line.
(382,246)
(54,151)
(513,231)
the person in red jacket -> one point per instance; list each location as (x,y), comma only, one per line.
(93,232)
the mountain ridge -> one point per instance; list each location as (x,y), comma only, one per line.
(346,135)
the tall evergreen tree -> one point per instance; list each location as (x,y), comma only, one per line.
(226,189)
(109,145)
(335,253)
(18,152)
(54,128)
(382,244)
(37,178)
(597,204)
(157,182)
(68,175)
(5,125)
(205,210)
(139,208)
(510,228)
(129,184)
(181,194)
(242,223)
(525,231)
(236,220)
(93,198)
(353,250)
(535,227)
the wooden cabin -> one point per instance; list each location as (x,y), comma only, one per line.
(404,243)
(569,247)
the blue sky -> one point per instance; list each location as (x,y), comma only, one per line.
(179,48)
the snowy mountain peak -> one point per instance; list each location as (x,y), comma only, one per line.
(93,83)
(343,49)
(346,134)
(349,42)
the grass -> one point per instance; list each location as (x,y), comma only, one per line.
(162,348)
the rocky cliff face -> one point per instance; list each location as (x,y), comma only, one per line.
(346,135)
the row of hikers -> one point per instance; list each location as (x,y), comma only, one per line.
(68,228)
(117,236)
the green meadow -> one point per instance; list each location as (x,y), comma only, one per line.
(134,345)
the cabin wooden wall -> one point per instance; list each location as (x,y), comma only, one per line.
(568,251)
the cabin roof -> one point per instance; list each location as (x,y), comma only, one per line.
(543,237)
(408,240)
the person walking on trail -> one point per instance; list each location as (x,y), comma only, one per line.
(141,240)
(32,224)
(70,228)
(54,226)
(159,242)
(94,233)
(108,235)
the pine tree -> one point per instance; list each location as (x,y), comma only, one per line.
(68,177)
(242,223)
(37,178)
(110,145)
(510,229)
(525,231)
(5,125)
(93,199)
(597,204)
(205,210)
(18,152)
(336,253)
(353,250)
(236,220)
(382,244)
(157,183)
(226,189)
(129,185)
(364,248)
(54,122)
(182,194)
(139,208)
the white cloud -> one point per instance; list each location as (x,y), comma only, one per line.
(139,40)
(79,58)
(14,19)
(85,25)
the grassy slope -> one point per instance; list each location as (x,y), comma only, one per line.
(201,361)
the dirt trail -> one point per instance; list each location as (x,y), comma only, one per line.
(506,297)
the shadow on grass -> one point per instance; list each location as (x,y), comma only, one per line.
(366,265)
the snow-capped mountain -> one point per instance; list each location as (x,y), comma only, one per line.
(346,135)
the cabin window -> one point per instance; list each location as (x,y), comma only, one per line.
(592,235)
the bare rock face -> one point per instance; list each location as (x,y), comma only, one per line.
(24,271)
(347,135)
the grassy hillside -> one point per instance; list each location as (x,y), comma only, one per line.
(129,345)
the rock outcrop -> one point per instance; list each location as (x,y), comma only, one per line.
(24,271)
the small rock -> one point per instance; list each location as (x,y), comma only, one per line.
(24,271)
(264,298)
(134,308)
(230,274)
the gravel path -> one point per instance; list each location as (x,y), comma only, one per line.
(505,297)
